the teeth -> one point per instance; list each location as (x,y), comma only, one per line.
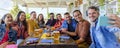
(9,22)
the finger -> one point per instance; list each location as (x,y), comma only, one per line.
(112,18)
(112,22)
(113,26)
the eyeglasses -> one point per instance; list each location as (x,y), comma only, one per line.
(77,15)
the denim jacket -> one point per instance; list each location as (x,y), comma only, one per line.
(12,35)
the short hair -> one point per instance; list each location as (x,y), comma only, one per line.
(58,14)
(51,13)
(32,12)
(94,7)
(77,11)
(66,13)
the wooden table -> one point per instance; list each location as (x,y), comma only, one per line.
(68,43)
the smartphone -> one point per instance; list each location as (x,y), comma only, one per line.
(103,21)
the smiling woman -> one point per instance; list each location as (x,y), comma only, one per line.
(8,33)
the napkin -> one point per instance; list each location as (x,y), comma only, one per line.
(64,37)
(46,41)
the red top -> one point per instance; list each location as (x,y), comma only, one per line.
(5,38)
(58,23)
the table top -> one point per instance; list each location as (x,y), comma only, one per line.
(39,42)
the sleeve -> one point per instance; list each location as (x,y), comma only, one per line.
(29,27)
(76,30)
(47,23)
(36,25)
(12,36)
(64,25)
(112,29)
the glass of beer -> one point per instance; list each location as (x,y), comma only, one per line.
(36,34)
(56,35)
(56,42)
(40,31)
(52,28)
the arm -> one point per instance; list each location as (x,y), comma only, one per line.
(64,30)
(12,36)
(73,33)
(112,29)
(29,27)
(84,32)
(36,25)
(3,45)
(47,23)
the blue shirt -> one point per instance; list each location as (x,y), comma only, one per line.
(71,27)
(103,36)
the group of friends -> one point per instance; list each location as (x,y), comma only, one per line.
(87,34)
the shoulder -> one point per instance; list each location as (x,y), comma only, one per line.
(85,22)
(64,21)
(2,25)
(73,20)
(28,20)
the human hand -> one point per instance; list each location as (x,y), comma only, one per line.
(3,45)
(11,42)
(63,30)
(15,28)
(116,20)
(81,40)
(77,41)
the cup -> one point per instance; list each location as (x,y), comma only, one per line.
(36,34)
(56,35)
(52,28)
(56,41)
(40,31)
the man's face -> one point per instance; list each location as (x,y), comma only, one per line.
(67,17)
(93,15)
(52,16)
(33,15)
(77,16)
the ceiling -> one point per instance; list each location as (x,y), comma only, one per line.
(44,3)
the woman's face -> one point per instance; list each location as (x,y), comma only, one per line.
(40,17)
(22,17)
(59,17)
(8,19)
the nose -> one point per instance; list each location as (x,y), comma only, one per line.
(90,15)
(10,19)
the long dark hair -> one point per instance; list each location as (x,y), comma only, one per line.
(42,20)
(23,22)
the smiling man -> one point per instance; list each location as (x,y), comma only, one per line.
(102,36)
